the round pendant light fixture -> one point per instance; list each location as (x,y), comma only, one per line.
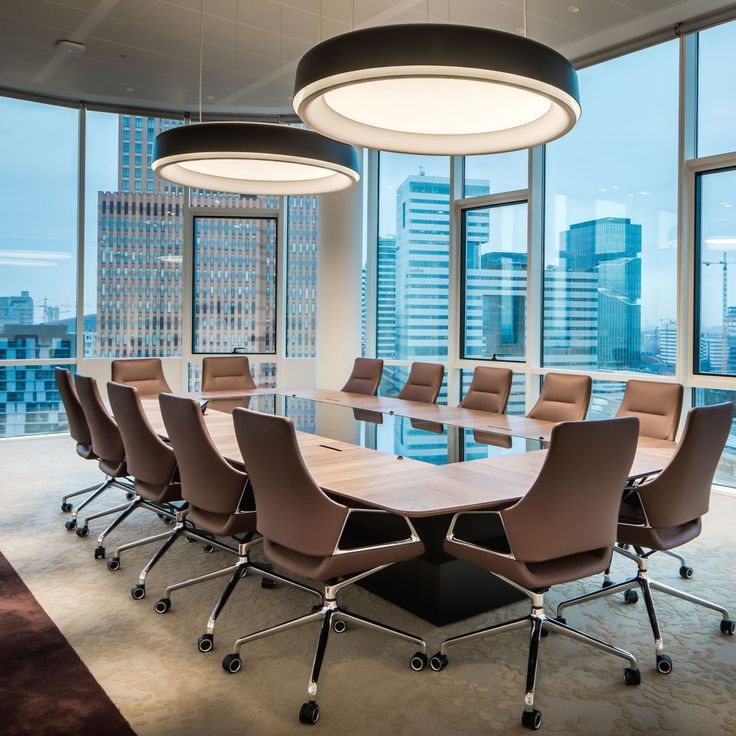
(435,88)
(254,158)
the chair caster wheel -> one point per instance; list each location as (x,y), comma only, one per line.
(138,592)
(623,546)
(728,626)
(339,626)
(208,548)
(232,663)
(309,713)
(82,531)
(162,605)
(606,583)
(438,662)
(268,583)
(206,643)
(418,661)
(99,553)
(686,572)
(632,676)
(129,496)
(66,507)
(113,564)
(664,664)
(631,596)
(532,719)
(71,525)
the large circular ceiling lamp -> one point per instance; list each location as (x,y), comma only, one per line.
(437,89)
(252,158)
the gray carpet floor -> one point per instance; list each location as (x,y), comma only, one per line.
(149,665)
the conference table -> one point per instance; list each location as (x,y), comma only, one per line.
(424,461)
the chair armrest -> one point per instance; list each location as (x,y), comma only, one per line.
(413,536)
(450,536)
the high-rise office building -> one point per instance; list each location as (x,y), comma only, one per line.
(16,310)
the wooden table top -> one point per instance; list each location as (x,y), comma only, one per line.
(403,485)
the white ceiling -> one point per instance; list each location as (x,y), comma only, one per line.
(146,52)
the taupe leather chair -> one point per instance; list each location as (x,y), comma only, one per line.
(564,398)
(304,532)
(560,531)
(80,433)
(657,405)
(365,376)
(667,512)
(424,383)
(146,374)
(489,390)
(226,372)
(152,464)
(107,445)
(220,503)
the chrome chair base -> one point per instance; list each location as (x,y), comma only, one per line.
(334,618)
(531,717)
(642,581)
(72,524)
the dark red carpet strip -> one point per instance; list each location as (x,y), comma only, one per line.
(45,688)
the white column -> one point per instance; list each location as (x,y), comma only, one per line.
(340,222)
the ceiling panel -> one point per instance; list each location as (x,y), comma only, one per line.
(152,46)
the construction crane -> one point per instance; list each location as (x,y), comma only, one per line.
(723,262)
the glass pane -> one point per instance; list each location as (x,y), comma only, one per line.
(301,276)
(726,473)
(234,301)
(611,220)
(605,399)
(496,172)
(715,268)
(517,397)
(132,242)
(413,256)
(39,159)
(716,91)
(494,282)
(29,401)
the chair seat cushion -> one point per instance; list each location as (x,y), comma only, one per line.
(85,451)
(224,525)
(113,469)
(348,563)
(533,575)
(659,539)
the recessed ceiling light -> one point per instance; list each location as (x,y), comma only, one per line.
(210,97)
(573,8)
(71,47)
(130,89)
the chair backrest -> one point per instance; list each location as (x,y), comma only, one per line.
(489,390)
(365,376)
(78,428)
(293,511)
(226,372)
(106,440)
(564,398)
(658,406)
(146,374)
(149,459)
(208,481)
(573,505)
(424,382)
(681,492)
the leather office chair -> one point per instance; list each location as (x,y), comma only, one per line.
(146,374)
(564,398)
(152,464)
(667,512)
(79,431)
(365,376)
(489,390)
(561,531)
(226,372)
(220,503)
(424,383)
(107,446)
(658,406)
(304,531)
